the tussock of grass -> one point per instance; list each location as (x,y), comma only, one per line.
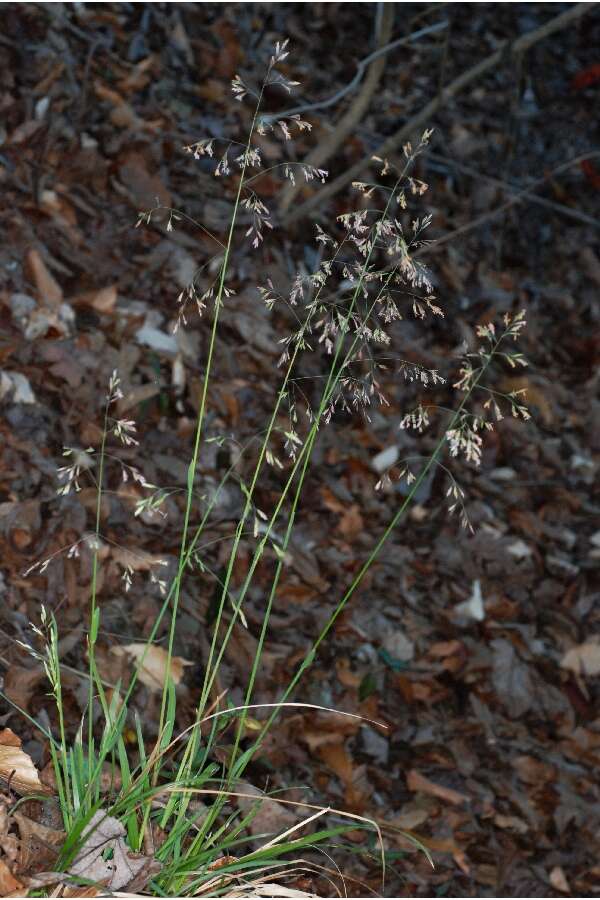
(206,849)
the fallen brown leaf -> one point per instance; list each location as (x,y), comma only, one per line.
(153,672)
(146,189)
(9,885)
(50,292)
(16,767)
(417,782)
(513,822)
(411,816)
(351,522)
(533,771)
(138,560)
(105,837)
(583,659)
(20,684)
(103,300)
(271,818)
(39,845)
(8,842)
(559,881)
(353,777)
(73,891)
(535,395)
(445,648)
(345,674)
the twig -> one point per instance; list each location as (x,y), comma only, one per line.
(506,186)
(512,201)
(327,148)
(421,119)
(362,66)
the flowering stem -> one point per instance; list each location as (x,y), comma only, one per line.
(309,657)
(94,612)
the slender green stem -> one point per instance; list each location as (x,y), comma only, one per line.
(201,414)
(308,659)
(332,380)
(93,623)
(212,669)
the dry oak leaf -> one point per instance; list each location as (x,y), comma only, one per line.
(17,768)
(153,672)
(583,659)
(106,859)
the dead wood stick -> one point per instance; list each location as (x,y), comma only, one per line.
(525,194)
(360,71)
(423,118)
(326,149)
(508,187)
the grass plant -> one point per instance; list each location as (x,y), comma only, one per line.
(366,280)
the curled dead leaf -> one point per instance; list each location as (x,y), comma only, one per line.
(17,768)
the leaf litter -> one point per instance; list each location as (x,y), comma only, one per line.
(480,653)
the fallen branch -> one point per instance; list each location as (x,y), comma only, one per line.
(423,118)
(360,71)
(517,193)
(525,194)
(327,148)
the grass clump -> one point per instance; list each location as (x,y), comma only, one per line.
(366,280)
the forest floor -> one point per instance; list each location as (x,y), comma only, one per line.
(480,651)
